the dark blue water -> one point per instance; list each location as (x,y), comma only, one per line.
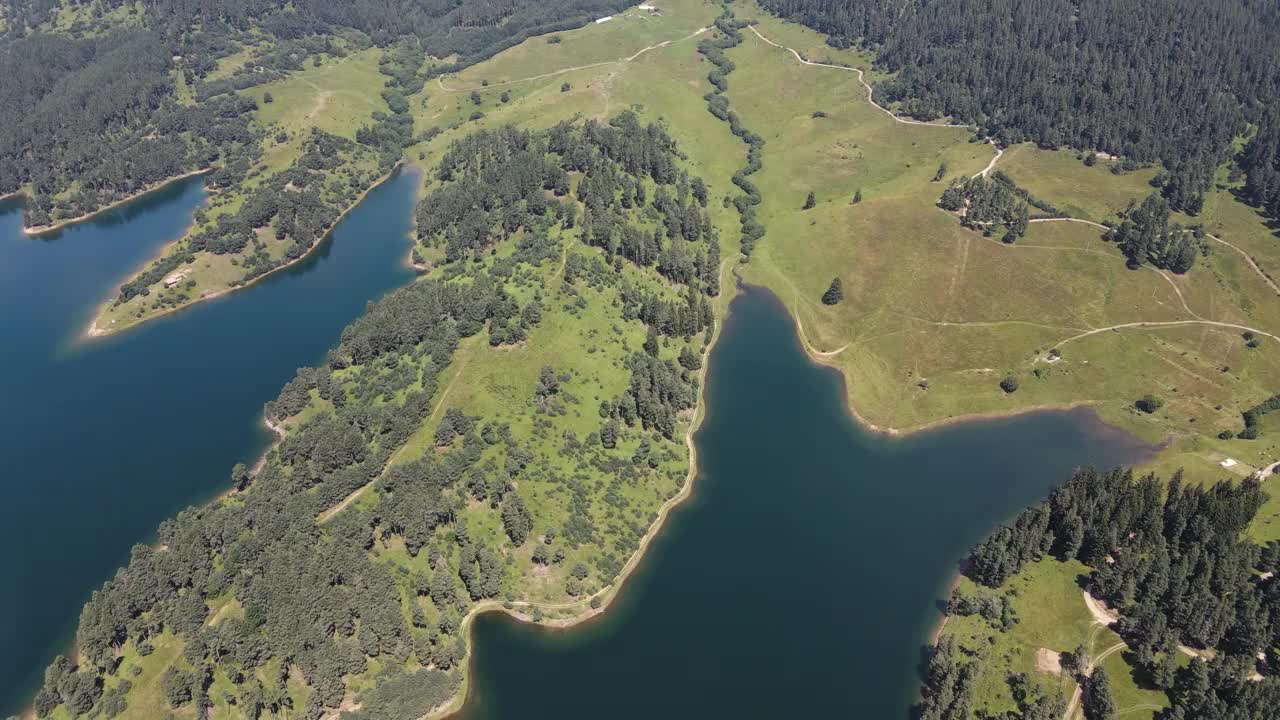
(801,578)
(102,440)
(798,581)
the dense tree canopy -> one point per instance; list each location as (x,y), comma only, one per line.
(1170,81)
(95,117)
(1173,561)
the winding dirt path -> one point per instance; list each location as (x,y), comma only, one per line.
(1165,323)
(561,71)
(870,99)
(1265,278)
(329,514)
(804,339)
(1248,258)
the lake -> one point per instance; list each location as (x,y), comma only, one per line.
(800,579)
(104,439)
(803,575)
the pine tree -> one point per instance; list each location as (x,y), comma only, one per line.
(810,201)
(651,342)
(857,196)
(1098,703)
(834,294)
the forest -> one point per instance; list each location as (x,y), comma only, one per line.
(471,29)
(390,579)
(93,121)
(92,117)
(1171,558)
(1152,81)
(1260,161)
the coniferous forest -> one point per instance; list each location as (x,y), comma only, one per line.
(94,117)
(1167,81)
(1172,560)
(391,578)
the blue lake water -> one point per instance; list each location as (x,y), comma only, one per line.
(104,439)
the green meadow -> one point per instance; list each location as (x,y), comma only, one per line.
(934,315)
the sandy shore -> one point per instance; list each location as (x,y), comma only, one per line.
(38,230)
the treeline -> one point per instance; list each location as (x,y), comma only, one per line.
(472,29)
(1169,81)
(1253,416)
(1171,559)
(713,48)
(1260,161)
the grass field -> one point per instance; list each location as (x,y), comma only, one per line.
(1060,177)
(1051,616)
(927,301)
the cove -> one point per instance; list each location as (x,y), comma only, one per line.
(803,575)
(104,439)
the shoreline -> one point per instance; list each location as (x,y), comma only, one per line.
(42,230)
(825,360)
(609,593)
(73,650)
(93,332)
(936,634)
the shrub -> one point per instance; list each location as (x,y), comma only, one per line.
(1009,384)
(1149,403)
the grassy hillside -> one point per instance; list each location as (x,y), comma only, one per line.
(934,316)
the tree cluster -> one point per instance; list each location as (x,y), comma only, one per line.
(988,204)
(713,48)
(1146,235)
(1173,562)
(1253,417)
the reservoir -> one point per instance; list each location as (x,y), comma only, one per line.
(803,575)
(799,579)
(104,439)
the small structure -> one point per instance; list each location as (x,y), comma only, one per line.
(646,6)
(604,19)
(1227,463)
(174,278)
